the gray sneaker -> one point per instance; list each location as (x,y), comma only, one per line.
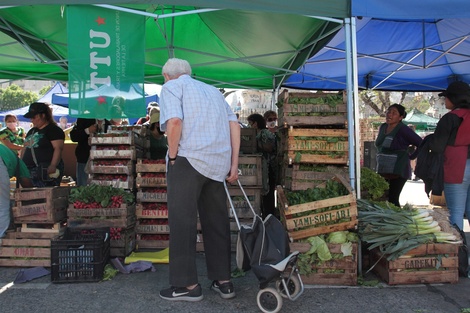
(182,294)
(225,290)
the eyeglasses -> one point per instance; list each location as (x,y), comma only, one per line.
(272,119)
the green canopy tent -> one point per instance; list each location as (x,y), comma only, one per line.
(421,121)
(228,48)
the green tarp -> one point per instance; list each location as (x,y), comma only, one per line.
(226,48)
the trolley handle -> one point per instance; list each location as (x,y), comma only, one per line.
(231,202)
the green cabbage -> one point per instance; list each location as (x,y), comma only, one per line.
(337,237)
(319,246)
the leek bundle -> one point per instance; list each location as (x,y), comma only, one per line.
(397,232)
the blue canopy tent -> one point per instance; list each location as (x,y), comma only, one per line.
(401,55)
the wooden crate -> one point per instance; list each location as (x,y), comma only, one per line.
(307,145)
(143,228)
(310,109)
(144,180)
(141,130)
(248,142)
(118,138)
(426,264)
(102,217)
(41,205)
(151,196)
(309,219)
(125,245)
(156,166)
(112,167)
(146,244)
(297,179)
(123,211)
(251,172)
(338,272)
(95,222)
(240,203)
(113,153)
(26,250)
(141,212)
(114,182)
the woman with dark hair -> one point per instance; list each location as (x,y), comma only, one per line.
(43,147)
(452,138)
(266,141)
(393,158)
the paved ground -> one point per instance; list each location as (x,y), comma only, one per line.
(138,292)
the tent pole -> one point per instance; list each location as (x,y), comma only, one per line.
(350,92)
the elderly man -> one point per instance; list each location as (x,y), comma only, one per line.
(203,145)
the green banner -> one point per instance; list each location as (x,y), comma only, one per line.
(106,52)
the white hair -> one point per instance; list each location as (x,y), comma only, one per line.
(175,67)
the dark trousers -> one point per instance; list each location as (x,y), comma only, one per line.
(189,192)
(396,186)
(268,202)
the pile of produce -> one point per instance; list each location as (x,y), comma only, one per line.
(396,231)
(97,196)
(319,251)
(373,186)
(332,189)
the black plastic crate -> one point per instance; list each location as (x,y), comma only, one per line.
(80,255)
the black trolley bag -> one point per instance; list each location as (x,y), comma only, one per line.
(264,248)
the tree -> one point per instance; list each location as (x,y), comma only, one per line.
(379,101)
(14,97)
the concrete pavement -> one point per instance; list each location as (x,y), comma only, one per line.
(138,292)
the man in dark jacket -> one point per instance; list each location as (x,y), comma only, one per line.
(79,134)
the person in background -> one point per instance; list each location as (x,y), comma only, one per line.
(63,122)
(10,166)
(12,135)
(452,139)
(271,121)
(266,142)
(80,132)
(393,159)
(158,140)
(203,146)
(142,120)
(44,142)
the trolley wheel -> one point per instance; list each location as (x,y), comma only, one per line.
(293,286)
(269,300)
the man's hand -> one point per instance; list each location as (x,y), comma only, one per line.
(233,175)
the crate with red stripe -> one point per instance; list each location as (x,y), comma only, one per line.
(304,109)
(41,205)
(318,217)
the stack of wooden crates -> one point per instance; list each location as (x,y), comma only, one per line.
(39,214)
(314,149)
(112,163)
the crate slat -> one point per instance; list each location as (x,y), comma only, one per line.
(319,217)
(429,263)
(324,274)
